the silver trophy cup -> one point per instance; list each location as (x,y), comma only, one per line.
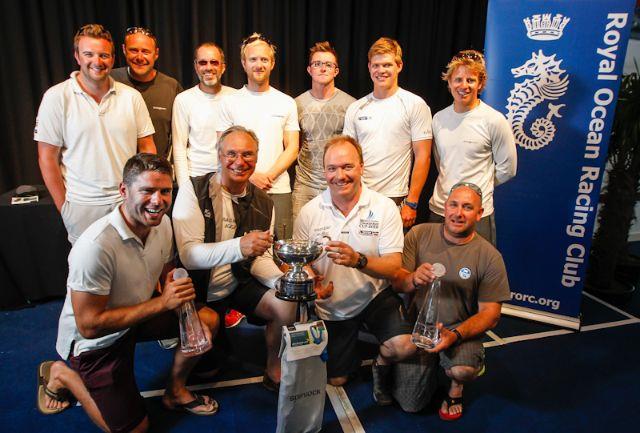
(296,285)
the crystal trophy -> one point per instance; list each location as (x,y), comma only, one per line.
(193,340)
(425,332)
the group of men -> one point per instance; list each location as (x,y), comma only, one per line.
(361,167)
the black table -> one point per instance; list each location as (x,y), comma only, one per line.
(33,251)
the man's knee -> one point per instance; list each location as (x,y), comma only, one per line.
(210,319)
(463,373)
(398,348)
(276,310)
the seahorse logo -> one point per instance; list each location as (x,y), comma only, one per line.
(549,82)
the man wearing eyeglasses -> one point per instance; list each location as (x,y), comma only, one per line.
(158,90)
(87,128)
(223,226)
(195,115)
(272,115)
(473,141)
(392,125)
(321,112)
(473,288)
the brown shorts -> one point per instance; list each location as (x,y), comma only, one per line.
(109,377)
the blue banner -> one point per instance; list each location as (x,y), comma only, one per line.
(554,70)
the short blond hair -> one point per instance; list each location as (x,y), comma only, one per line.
(257,37)
(472,59)
(386,45)
(96,31)
(338,139)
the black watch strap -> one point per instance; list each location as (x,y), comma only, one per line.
(458,335)
(362,261)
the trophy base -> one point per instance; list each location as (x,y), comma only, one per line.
(296,291)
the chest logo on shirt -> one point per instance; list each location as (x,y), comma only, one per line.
(464,273)
(207,213)
(369,226)
(364,118)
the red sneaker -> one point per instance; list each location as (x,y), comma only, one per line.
(233,318)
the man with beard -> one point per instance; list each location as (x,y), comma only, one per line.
(195,115)
(472,290)
(87,128)
(114,269)
(158,90)
(273,116)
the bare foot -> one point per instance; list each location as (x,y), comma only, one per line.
(54,385)
(455,391)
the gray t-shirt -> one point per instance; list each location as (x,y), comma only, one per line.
(158,95)
(319,120)
(475,272)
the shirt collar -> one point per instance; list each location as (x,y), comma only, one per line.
(76,86)
(365,198)
(117,221)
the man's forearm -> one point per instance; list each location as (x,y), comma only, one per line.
(108,321)
(402,281)
(384,266)
(51,173)
(479,323)
(422,160)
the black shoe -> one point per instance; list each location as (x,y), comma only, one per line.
(381,384)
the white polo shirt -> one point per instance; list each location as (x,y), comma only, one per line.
(194,137)
(268,114)
(110,260)
(373,228)
(96,140)
(386,128)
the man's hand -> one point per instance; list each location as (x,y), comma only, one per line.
(447,339)
(261,180)
(408,216)
(322,292)
(177,292)
(254,244)
(342,254)
(423,275)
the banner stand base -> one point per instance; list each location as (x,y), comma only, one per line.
(541,316)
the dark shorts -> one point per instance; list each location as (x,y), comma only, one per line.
(245,298)
(109,377)
(415,380)
(385,317)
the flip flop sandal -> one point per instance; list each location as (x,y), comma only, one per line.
(451,401)
(268,383)
(193,404)
(62,395)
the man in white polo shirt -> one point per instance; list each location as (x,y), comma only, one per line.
(114,269)
(87,128)
(363,254)
(195,115)
(273,116)
(392,125)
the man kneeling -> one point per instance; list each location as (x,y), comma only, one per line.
(114,268)
(472,290)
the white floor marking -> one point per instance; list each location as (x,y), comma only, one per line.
(616,309)
(347,417)
(495,337)
(610,324)
(210,385)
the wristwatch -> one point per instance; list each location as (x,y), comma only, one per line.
(412,204)
(362,261)
(458,336)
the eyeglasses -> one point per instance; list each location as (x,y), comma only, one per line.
(143,30)
(318,64)
(472,186)
(469,54)
(208,62)
(246,156)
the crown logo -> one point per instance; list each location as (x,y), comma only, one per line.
(542,28)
